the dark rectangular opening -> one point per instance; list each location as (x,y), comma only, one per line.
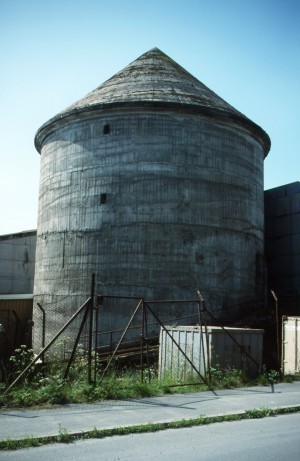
(106,129)
(103,198)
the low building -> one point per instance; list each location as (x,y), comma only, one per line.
(17,265)
(282,245)
(17,262)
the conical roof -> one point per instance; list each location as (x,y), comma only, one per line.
(155,80)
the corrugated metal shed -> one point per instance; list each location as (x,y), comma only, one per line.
(209,348)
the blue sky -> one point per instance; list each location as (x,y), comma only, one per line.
(53,52)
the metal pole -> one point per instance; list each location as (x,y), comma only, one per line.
(47,347)
(206,335)
(17,328)
(122,337)
(277,328)
(180,349)
(296,343)
(76,341)
(147,348)
(91,330)
(96,343)
(233,338)
(44,327)
(44,324)
(142,341)
(201,341)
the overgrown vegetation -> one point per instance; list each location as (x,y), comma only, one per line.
(45,385)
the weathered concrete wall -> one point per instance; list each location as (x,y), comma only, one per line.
(282,230)
(17,262)
(165,203)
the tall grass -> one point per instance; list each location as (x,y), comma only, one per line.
(45,385)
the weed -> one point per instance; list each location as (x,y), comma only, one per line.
(228,377)
(291,378)
(63,435)
(259,413)
(19,361)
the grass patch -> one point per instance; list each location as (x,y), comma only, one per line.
(48,387)
(64,437)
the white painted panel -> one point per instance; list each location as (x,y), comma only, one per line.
(291,345)
(240,348)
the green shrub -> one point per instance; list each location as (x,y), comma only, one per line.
(268,377)
(228,377)
(19,361)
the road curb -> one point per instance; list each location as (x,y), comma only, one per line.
(64,436)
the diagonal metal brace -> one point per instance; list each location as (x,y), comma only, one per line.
(177,345)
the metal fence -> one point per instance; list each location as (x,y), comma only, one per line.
(137,340)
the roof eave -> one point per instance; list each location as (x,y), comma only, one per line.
(217,114)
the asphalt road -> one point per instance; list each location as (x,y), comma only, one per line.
(268,439)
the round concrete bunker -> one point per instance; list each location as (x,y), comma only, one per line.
(155,184)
